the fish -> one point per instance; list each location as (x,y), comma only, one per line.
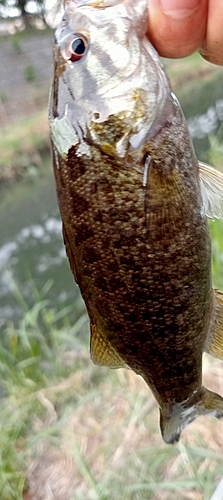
(135,203)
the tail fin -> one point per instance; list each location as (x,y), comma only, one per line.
(173,420)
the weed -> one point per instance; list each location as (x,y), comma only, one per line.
(30,73)
(87,432)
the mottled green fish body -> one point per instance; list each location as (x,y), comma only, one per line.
(134,203)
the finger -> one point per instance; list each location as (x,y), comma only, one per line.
(212,48)
(177,27)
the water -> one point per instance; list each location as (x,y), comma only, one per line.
(32,255)
(203,125)
(32,252)
(202,103)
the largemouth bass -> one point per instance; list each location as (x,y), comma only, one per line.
(134,202)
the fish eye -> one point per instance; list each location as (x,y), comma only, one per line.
(78,47)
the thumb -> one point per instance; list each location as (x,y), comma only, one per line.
(177,27)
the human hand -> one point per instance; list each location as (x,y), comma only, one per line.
(179,27)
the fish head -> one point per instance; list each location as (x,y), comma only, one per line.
(109,89)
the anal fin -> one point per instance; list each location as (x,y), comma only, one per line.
(215,340)
(102,352)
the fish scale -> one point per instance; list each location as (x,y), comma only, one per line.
(134,202)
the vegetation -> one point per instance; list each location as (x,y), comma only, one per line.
(23,9)
(23,145)
(30,73)
(88,432)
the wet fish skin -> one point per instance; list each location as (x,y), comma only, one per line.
(132,207)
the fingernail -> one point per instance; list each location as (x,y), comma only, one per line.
(203,49)
(178,9)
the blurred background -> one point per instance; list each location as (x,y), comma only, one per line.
(84,432)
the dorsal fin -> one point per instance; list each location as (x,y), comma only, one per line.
(212,191)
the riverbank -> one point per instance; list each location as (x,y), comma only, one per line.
(26,70)
(23,145)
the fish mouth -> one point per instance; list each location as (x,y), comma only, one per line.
(132,110)
(125,5)
(139,100)
(124,106)
(98,4)
(118,125)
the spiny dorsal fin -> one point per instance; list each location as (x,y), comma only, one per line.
(212,191)
(215,346)
(102,352)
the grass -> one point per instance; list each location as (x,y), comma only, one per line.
(86,432)
(188,70)
(22,145)
(24,160)
(17,37)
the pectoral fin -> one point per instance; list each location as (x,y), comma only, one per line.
(102,352)
(212,191)
(165,204)
(215,338)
